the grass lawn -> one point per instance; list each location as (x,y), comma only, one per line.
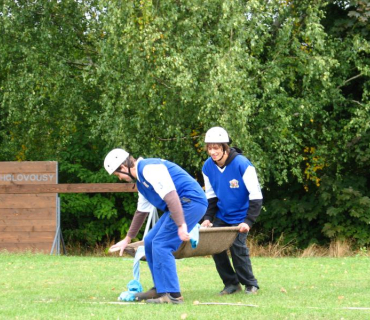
(35,286)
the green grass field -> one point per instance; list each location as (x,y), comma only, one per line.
(35,286)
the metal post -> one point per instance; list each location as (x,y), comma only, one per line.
(58,239)
(58,233)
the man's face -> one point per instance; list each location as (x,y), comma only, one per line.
(215,151)
(122,176)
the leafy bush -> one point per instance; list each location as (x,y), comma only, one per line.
(289,80)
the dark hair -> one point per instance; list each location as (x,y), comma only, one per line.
(225,147)
(129,162)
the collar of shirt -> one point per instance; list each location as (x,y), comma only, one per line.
(136,163)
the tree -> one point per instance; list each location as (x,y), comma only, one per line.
(47,99)
(289,80)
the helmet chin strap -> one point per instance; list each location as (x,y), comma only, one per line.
(221,157)
(223,154)
(129,170)
(127,173)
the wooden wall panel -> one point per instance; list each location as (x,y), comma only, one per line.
(45,226)
(20,247)
(28,213)
(24,201)
(27,236)
(15,167)
(28,221)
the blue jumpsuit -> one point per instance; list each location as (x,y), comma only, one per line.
(163,238)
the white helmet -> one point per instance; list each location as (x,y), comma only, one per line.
(114,159)
(216,135)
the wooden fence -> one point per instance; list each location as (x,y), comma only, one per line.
(27,221)
(29,217)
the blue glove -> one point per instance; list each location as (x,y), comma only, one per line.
(133,287)
(194,236)
(126,296)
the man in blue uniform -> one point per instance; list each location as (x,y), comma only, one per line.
(168,187)
(234,199)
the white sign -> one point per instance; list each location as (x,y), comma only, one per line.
(26,177)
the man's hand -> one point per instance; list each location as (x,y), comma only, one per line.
(120,245)
(206,224)
(183,232)
(244,228)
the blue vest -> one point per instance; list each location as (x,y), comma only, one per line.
(230,189)
(186,186)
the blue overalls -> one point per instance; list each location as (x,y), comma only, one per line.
(163,238)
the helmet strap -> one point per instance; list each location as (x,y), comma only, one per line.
(223,154)
(127,173)
(221,157)
(129,170)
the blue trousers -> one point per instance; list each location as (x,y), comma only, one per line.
(162,240)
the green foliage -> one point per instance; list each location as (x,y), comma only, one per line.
(48,101)
(43,54)
(289,80)
(333,211)
(91,218)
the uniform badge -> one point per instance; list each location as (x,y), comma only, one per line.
(234,184)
